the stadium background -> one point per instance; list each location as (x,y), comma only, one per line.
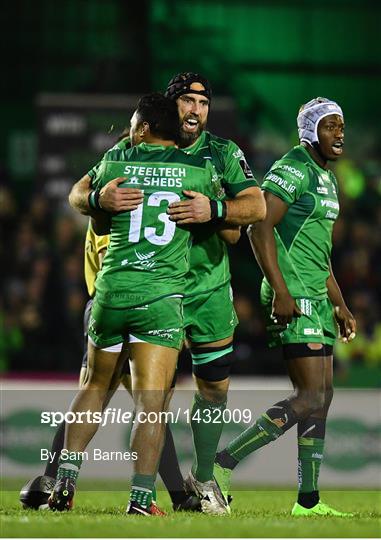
(67,77)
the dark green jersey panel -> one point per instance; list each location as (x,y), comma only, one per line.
(304,236)
(209,262)
(148,255)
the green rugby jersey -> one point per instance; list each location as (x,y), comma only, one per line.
(147,258)
(304,235)
(209,261)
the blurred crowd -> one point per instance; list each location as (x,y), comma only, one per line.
(43,292)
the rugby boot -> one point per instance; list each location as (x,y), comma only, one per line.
(135,508)
(190,504)
(320,509)
(62,495)
(212,500)
(222,476)
(156,511)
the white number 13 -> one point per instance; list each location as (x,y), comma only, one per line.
(136,218)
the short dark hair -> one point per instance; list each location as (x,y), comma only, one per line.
(161,115)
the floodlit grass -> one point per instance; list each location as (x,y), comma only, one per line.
(262,513)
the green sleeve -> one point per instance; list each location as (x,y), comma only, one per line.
(237,173)
(98,180)
(93,172)
(286,181)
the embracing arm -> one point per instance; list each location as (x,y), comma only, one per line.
(248,206)
(112,198)
(261,236)
(344,318)
(79,195)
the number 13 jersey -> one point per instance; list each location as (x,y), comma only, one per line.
(147,258)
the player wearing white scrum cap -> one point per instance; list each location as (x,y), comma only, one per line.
(310,115)
(303,304)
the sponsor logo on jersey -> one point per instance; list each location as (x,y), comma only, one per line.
(292,170)
(322,190)
(313,332)
(331,215)
(156,182)
(330,204)
(155,176)
(290,188)
(246,169)
(168,172)
(144,261)
(238,154)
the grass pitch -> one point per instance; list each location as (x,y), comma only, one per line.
(261,513)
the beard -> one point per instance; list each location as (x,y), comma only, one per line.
(187,138)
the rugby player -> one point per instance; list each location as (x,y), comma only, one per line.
(210,318)
(302,301)
(36,492)
(138,300)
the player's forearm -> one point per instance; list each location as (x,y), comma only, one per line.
(79,196)
(334,292)
(262,241)
(246,209)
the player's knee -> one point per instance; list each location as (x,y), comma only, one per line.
(309,402)
(213,391)
(316,401)
(149,400)
(212,374)
(212,364)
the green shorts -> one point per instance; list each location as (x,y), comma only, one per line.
(316,325)
(210,316)
(160,323)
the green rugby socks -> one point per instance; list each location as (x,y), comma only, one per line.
(311,433)
(142,488)
(69,468)
(271,425)
(206,435)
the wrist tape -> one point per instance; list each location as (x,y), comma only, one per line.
(94,199)
(218,210)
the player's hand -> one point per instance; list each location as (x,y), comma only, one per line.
(113,198)
(284,309)
(346,323)
(194,210)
